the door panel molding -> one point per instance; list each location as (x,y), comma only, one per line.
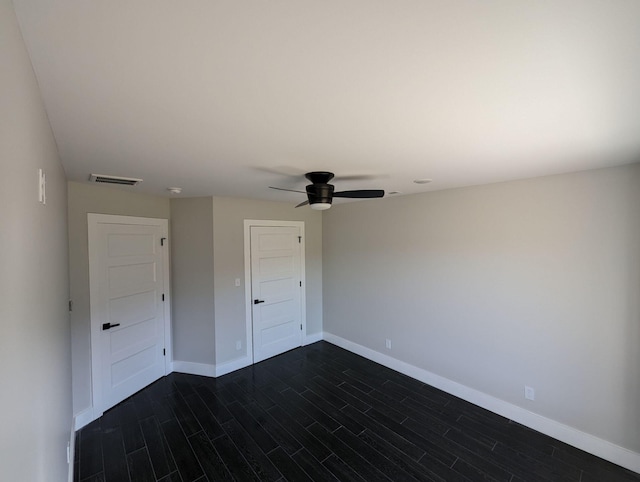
(96,224)
(248,224)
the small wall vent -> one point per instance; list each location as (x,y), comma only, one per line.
(123,181)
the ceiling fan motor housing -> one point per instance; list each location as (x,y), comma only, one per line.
(320,193)
(319,177)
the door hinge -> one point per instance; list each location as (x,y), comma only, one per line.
(164,352)
(299,239)
(300,284)
(70,305)
(162,240)
(162,296)
(301,326)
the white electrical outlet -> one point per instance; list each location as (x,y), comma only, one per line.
(238,345)
(237,281)
(387,343)
(529,393)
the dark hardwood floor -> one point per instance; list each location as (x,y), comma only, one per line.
(318,413)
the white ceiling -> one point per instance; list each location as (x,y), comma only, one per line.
(229,97)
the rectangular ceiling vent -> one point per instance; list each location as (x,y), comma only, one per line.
(123,181)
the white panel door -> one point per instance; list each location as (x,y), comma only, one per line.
(127,271)
(276,290)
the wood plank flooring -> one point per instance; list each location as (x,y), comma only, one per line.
(318,413)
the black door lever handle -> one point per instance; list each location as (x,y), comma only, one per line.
(255,302)
(106,326)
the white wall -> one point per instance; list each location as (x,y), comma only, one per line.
(228,257)
(192,280)
(83,199)
(35,361)
(532,282)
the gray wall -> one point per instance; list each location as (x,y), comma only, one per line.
(228,257)
(532,282)
(192,280)
(208,256)
(83,199)
(35,354)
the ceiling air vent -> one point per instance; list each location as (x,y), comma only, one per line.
(123,181)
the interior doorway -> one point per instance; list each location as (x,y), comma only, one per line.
(130,306)
(274,286)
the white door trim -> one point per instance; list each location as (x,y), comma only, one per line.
(248,223)
(92,221)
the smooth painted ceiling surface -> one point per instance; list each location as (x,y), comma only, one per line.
(229,97)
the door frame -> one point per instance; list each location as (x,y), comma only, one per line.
(92,225)
(248,224)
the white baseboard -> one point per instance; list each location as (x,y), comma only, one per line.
(206,370)
(72,449)
(82,418)
(569,435)
(192,368)
(233,365)
(309,339)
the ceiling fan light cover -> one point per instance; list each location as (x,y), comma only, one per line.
(320,206)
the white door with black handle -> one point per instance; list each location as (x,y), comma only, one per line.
(276,287)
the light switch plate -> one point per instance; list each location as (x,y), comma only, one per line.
(42,187)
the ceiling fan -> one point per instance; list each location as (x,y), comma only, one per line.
(320,193)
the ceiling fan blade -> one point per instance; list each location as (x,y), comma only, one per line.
(360,193)
(303,203)
(295,173)
(358,177)
(283,189)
